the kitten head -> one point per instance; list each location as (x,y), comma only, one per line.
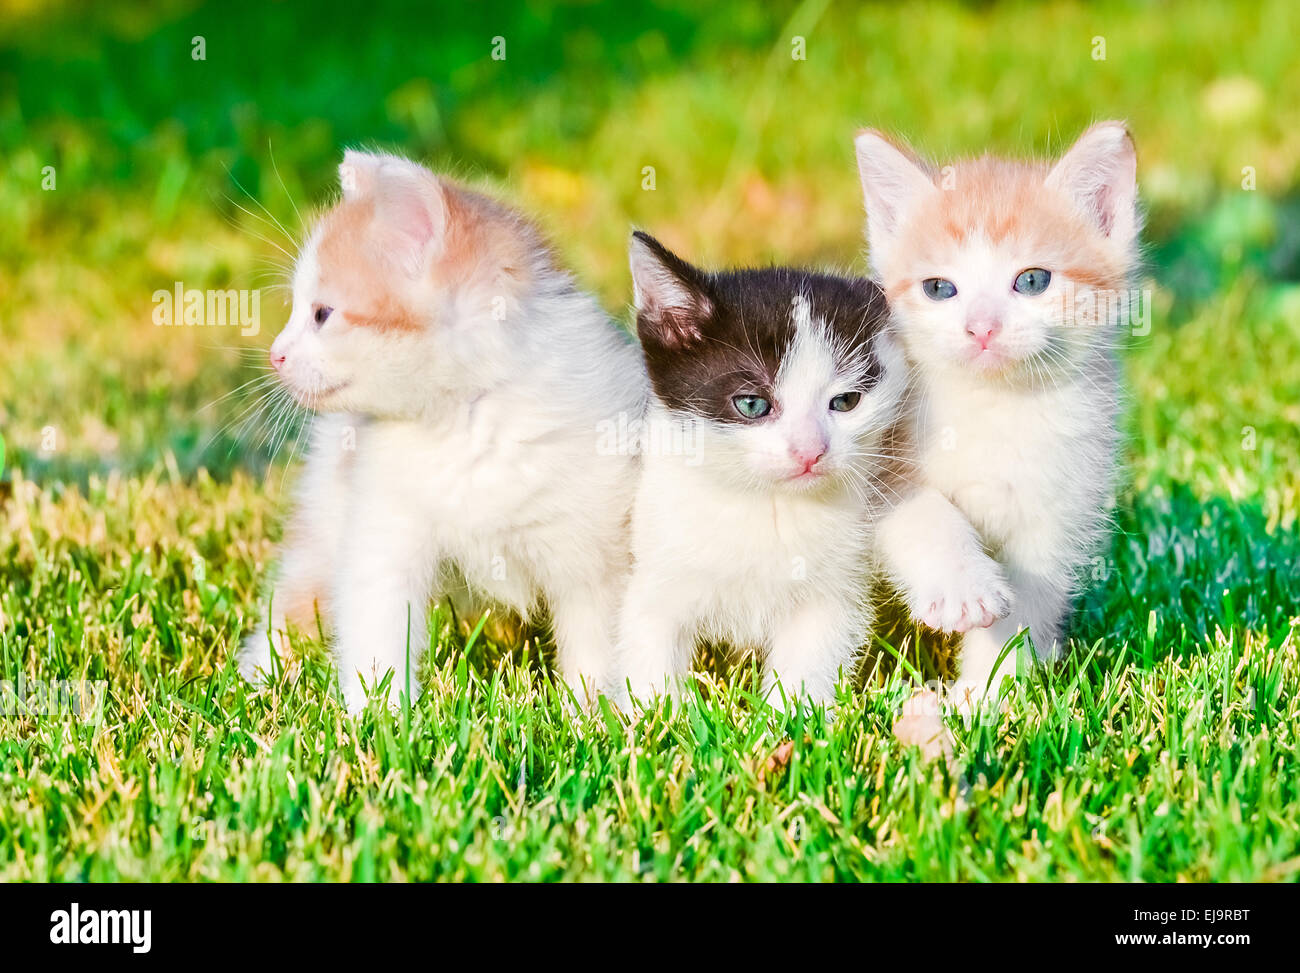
(400,288)
(1002,269)
(784,374)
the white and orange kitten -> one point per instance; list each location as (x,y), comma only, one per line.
(759,535)
(999,277)
(461,379)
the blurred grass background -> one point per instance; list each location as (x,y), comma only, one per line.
(137,523)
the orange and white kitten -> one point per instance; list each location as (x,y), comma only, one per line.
(1001,278)
(460,379)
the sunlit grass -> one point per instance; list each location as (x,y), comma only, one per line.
(1128,762)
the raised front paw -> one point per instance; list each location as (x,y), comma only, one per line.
(970,593)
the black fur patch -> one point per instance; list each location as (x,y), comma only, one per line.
(733,341)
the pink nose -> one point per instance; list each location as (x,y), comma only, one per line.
(807,455)
(983,329)
(277,361)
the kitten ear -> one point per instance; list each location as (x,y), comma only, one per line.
(357,173)
(410,205)
(892,180)
(1099,174)
(668,293)
(411,212)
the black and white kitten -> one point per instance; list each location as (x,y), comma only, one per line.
(774,396)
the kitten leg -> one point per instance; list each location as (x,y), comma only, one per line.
(381,599)
(980,675)
(810,649)
(302,579)
(655,645)
(1041,604)
(936,560)
(298,597)
(585,619)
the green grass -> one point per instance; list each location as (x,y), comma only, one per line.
(132,549)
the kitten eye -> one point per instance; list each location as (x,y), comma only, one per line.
(846,401)
(752,406)
(938,289)
(322,312)
(1032,281)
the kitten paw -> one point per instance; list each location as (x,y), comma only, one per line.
(253,658)
(972,701)
(647,692)
(920,724)
(355,697)
(972,595)
(357,694)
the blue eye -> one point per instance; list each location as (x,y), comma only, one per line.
(322,313)
(1032,281)
(938,289)
(846,401)
(752,406)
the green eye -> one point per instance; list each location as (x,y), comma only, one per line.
(846,401)
(1032,281)
(938,289)
(752,406)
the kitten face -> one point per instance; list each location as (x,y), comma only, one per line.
(1002,269)
(783,372)
(404,281)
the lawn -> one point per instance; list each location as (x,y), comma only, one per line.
(140,504)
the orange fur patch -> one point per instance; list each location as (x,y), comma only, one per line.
(1007,203)
(1092,277)
(352,267)
(387,314)
(487,251)
(898,288)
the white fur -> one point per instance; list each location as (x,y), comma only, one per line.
(1032,472)
(727,549)
(469,448)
